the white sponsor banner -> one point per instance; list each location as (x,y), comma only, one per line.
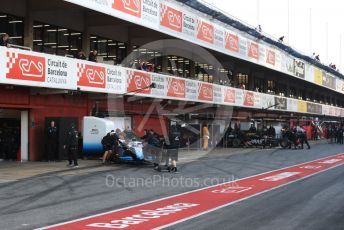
(309,70)
(21,67)
(189,24)
(160,89)
(242,46)
(262,54)
(239,97)
(325,109)
(218,94)
(103,6)
(150,12)
(115,80)
(340,86)
(278,61)
(267,101)
(292,105)
(257,100)
(191,90)
(287,64)
(219,37)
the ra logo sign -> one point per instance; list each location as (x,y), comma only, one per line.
(132,7)
(91,76)
(25,67)
(139,81)
(170,18)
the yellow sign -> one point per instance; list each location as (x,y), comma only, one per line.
(318,76)
(301,106)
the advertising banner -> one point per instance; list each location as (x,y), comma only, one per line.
(131,7)
(160,82)
(138,82)
(281,103)
(171,18)
(301,106)
(318,76)
(150,12)
(205,31)
(219,37)
(25,67)
(104,6)
(314,108)
(240,97)
(229,95)
(205,92)
(218,94)
(270,57)
(340,86)
(262,54)
(329,81)
(176,87)
(189,24)
(326,109)
(287,64)
(292,105)
(191,90)
(299,69)
(115,79)
(257,100)
(34,69)
(253,51)
(232,42)
(91,77)
(267,101)
(248,98)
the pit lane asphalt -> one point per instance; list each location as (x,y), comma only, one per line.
(314,203)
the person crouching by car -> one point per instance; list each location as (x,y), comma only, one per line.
(172,146)
(303,137)
(109,142)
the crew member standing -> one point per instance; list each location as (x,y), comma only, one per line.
(52,142)
(172,147)
(205,137)
(71,145)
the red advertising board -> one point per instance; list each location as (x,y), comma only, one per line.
(205,31)
(205,92)
(230,96)
(132,7)
(253,50)
(176,88)
(25,67)
(232,42)
(139,82)
(91,75)
(249,99)
(270,57)
(171,18)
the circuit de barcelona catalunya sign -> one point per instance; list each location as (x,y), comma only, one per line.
(18,67)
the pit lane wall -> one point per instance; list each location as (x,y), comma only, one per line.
(183,22)
(19,67)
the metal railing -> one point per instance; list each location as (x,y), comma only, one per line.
(19,47)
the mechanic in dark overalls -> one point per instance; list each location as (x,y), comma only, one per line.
(52,142)
(72,144)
